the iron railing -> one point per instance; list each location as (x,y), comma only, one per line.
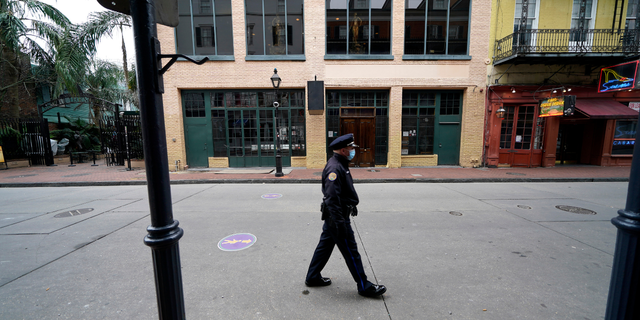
(26,139)
(567,41)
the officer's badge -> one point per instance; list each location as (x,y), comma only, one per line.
(332,176)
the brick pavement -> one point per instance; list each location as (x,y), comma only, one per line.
(85,174)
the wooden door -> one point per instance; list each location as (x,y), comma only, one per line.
(363,130)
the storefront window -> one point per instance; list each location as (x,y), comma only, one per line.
(624,137)
(418,122)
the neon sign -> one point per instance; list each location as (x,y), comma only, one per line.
(619,77)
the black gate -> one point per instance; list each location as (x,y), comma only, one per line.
(121,139)
(26,139)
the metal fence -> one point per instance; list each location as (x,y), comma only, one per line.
(121,139)
(568,41)
(26,139)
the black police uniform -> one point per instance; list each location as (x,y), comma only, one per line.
(340,200)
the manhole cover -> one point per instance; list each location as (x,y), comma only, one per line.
(516,173)
(236,242)
(577,210)
(522,206)
(455,213)
(72,213)
(271,196)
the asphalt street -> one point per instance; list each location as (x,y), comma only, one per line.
(445,251)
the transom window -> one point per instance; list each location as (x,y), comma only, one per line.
(205,28)
(360,27)
(436,27)
(275,27)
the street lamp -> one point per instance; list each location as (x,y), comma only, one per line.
(275,81)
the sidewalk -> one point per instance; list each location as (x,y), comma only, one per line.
(85,174)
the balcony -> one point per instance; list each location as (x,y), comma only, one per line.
(567,46)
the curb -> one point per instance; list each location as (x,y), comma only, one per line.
(303,181)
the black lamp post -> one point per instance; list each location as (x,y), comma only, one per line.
(624,288)
(275,81)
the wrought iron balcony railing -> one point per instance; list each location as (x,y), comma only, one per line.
(567,42)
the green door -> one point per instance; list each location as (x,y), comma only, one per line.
(197,145)
(448,144)
(197,128)
(447,128)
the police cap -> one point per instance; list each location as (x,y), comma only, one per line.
(343,142)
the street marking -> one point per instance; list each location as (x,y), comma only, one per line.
(236,242)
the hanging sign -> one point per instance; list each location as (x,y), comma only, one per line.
(552,107)
(619,77)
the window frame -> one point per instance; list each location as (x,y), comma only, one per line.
(368,56)
(426,56)
(287,37)
(214,40)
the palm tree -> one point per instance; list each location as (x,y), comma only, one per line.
(102,24)
(104,81)
(62,61)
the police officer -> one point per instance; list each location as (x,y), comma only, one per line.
(339,202)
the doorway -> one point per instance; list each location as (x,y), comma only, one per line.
(521,137)
(569,145)
(363,130)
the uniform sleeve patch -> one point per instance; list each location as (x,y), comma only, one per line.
(332,176)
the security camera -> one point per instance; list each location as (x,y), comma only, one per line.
(276,104)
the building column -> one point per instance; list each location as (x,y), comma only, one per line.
(495,126)
(550,141)
(394,157)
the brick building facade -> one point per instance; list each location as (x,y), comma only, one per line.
(425,108)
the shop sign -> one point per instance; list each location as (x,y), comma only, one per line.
(635,106)
(552,107)
(619,77)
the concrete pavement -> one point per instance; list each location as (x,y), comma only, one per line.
(444,250)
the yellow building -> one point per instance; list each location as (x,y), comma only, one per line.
(568,51)
(405,76)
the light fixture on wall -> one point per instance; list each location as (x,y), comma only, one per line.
(500,112)
(513,90)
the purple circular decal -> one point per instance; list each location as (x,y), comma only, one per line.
(237,242)
(271,196)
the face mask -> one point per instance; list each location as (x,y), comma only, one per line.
(352,153)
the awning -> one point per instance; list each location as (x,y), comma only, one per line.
(605,109)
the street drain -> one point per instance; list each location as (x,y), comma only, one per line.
(72,213)
(516,173)
(521,206)
(455,213)
(577,210)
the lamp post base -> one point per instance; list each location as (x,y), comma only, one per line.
(279,166)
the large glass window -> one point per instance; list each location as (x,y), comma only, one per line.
(418,122)
(624,139)
(205,28)
(438,27)
(275,27)
(358,26)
